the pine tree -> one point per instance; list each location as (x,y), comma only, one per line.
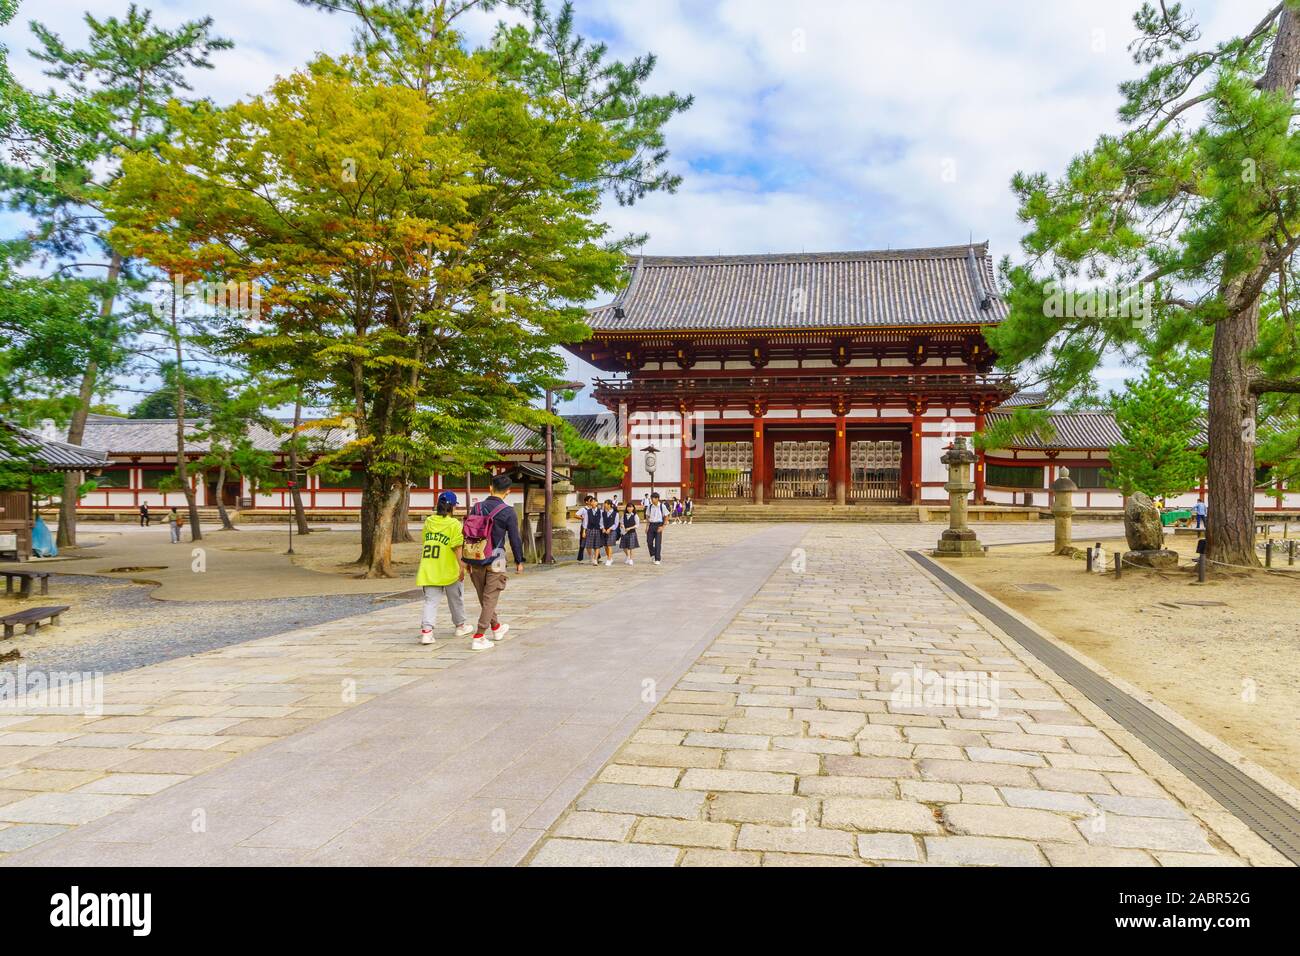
(1193,207)
(1159,423)
(119,87)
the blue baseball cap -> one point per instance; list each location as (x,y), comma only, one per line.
(447,498)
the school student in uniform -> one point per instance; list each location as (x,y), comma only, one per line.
(655,517)
(609,529)
(628,542)
(584,522)
(595,533)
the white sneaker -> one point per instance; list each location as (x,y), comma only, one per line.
(426,635)
(480,644)
(656,560)
(499,633)
(463,629)
(629,562)
(608,562)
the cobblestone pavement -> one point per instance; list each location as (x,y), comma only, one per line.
(841,719)
(167,723)
(779,739)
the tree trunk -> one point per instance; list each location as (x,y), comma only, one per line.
(1231,455)
(226,523)
(299,514)
(385,495)
(182,472)
(402,519)
(67,534)
(1231,417)
(369,517)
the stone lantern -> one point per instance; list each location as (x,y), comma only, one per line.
(1063,489)
(958,541)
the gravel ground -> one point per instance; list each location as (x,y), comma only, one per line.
(145,631)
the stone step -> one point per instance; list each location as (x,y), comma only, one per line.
(806,511)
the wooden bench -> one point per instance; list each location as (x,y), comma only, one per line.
(31,618)
(25,579)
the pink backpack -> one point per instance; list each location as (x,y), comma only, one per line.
(478,535)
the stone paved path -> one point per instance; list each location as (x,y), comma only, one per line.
(810,734)
(440,765)
(736,705)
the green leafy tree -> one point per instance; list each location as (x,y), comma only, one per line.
(227,430)
(119,87)
(1192,209)
(420,219)
(203,393)
(1159,423)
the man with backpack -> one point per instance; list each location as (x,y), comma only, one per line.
(487,526)
(655,517)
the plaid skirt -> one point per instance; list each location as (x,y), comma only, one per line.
(629,541)
(595,538)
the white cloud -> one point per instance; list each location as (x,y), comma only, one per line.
(819,125)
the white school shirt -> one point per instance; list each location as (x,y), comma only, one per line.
(655,513)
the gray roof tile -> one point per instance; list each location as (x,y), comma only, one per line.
(51,455)
(157,436)
(943,285)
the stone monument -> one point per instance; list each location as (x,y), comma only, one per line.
(1063,489)
(959,540)
(1145,534)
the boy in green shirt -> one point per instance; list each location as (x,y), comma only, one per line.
(441,573)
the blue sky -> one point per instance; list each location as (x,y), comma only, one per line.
(819,125)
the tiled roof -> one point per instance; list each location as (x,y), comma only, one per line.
(944,285)
(593,427)
(157,436)
(51,455)
(1088,428)
(1081,429)
(1025,400)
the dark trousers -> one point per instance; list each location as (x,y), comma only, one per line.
(582,542)
(1200,520)
(654,539)
(144,521)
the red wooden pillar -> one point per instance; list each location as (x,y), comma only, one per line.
(682,472)
(917,409)
(841,459)
(979,458)
(759,440)
(698,484)
(627,462)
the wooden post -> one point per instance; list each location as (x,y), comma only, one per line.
(627,462)
(756,476)
(916,469)
(841,460)
(979,461)
(1268,553)
(1089,559)
(1119,565)
(1200,567)
(684,462)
